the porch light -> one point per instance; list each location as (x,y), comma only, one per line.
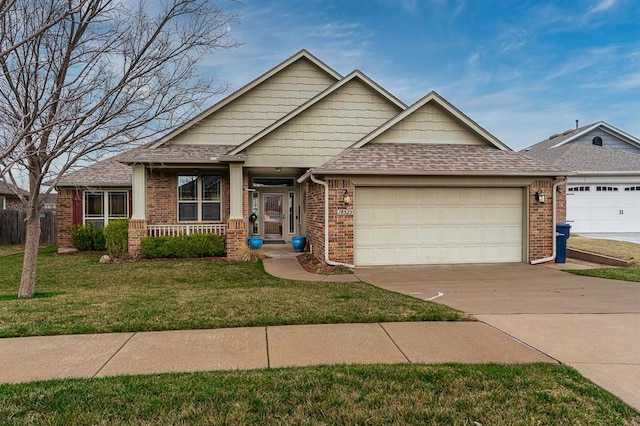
(540,197)
(278,169)
(346,197)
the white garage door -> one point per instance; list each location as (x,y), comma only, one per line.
(396,226)
(603,208)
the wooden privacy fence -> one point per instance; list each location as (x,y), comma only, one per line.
(13,229)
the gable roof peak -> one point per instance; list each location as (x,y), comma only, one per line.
(435,97)
(244,89)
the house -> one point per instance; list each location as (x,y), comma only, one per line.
(9,200)
(303,150)
(603,193)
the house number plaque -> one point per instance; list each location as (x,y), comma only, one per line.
(345,212)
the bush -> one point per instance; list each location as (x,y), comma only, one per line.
(88,238)
(116,235)
(194,245)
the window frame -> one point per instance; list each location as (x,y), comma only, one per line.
(200,201)
(106,215)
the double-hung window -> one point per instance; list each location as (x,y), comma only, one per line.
(199,198)
(102,206)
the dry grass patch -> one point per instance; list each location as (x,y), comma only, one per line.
(536,394)
(7,249)
(619,249)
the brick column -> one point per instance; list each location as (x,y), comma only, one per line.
(236,236)
(137,231)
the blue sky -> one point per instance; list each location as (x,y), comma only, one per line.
(521,69)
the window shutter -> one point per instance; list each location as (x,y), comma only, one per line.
(77,207)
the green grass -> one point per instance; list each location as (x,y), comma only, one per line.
(75,294)
(377,394)
(624,274)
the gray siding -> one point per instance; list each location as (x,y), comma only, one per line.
(608,141)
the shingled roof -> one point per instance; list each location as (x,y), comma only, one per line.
(581,157)
(109,172)
(177,154)
(6,190)
(434,159)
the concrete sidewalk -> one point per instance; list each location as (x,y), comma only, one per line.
(97,355)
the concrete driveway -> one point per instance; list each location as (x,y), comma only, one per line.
(591,324)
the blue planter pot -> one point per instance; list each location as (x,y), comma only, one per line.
(255,243)
(298,243)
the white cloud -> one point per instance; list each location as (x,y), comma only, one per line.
(602,6)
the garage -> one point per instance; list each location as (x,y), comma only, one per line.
(604,207)
(405,226)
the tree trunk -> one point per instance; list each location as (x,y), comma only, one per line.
(28,280)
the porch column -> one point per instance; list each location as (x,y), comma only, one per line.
(237,225)
(139,192)
(138,221)
(235,191)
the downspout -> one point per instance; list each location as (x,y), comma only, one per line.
(326,224)
(553,216)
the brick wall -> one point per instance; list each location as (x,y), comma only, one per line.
(541,218)
(162,197)
(64,213)
(314,199)
(340,226)
(13,203)
(137,231)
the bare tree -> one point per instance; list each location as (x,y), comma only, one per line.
(81,77)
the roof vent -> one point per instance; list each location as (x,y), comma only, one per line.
(554,136)
(597,141)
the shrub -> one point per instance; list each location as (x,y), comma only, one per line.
(88,238)
(247,254)
(194,245)
(116,235)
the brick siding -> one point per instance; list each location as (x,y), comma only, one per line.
(64,213)
(541,218)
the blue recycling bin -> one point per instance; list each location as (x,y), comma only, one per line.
(563,230)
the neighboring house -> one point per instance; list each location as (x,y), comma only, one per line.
(367,179)
(9,200)
(603,193)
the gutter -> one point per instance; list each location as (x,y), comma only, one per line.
(326,220)
(553,215)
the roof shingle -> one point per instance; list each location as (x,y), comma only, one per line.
(581,157)
(435,159)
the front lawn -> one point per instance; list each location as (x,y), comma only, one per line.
(535,394)
(624,274)
(75,294)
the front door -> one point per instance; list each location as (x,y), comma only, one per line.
(273,217)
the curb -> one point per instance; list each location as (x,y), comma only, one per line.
(596,258)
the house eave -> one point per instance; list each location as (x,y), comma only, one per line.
(542,173)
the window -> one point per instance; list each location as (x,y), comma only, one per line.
(102,206)
(627,188)
(2,204)
(199,198)
(606,188)
(597,141)
(292,218)
(578,189)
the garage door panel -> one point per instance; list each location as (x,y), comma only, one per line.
(604,211)
(438,225)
